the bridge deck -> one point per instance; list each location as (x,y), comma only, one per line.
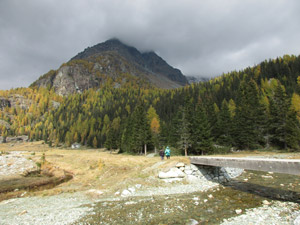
(288,166)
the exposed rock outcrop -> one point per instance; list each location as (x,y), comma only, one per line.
(4,103)
(5,124)
(115,60)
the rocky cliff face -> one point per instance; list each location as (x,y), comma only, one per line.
(192,79)
(116,61)
(4,103)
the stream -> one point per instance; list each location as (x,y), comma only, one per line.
(210,207)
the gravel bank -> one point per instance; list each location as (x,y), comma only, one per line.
(279,213)
(59,209)
(172,188)
(15,163)
(67,208)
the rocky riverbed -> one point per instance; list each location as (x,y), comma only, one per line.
(274,212)
(180,200)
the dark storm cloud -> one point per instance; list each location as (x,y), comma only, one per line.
(199,37)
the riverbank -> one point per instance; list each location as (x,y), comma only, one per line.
(274,212)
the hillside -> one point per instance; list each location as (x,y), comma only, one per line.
(115,63)
(254,108)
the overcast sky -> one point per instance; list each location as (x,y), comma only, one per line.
(199,37)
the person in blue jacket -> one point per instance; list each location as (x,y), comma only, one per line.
(168,152)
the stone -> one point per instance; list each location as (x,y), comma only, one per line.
(171,180)
(4,103)
(76,146)
(182,169)
(188,172)
(96,192)
(125,193)
(265,202)
(138,186)
(221,178)
(192,179)
(172,173)
(238,211)
(297,220)
(193,167)
(192,222)
(180,164)
(130,203)
(268,177)
(132,190)
(187,167)
(204,172)
(167,175)
(210,196)
(179,172)
(5,124)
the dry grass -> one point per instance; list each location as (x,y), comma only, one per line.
(26,146)
(96,168)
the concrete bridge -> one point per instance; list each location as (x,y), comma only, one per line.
(287,166)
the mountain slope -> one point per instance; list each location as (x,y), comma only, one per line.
(112,62)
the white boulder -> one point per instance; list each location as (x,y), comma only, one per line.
(180,164)
(172,173)
(125,193)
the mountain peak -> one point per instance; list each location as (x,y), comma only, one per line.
(113,59)
(113,44)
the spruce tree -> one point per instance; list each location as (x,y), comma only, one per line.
(247,118)
(183,131)
(201,133)
(283,123)
(224,125)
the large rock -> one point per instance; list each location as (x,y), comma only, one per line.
(125,193)
(180,164)
(4,103)
(172,173)
(188,172)
(297,220)
(17,100)
(192,179)
(5,124)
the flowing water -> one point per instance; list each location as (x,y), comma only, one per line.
(210,207)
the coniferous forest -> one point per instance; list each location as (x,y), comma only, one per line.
(255,108)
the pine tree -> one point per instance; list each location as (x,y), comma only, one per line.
(137,133)
(283,123)
(247,118)
(201,133)
(183,131)
(293,130)
(224,125)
